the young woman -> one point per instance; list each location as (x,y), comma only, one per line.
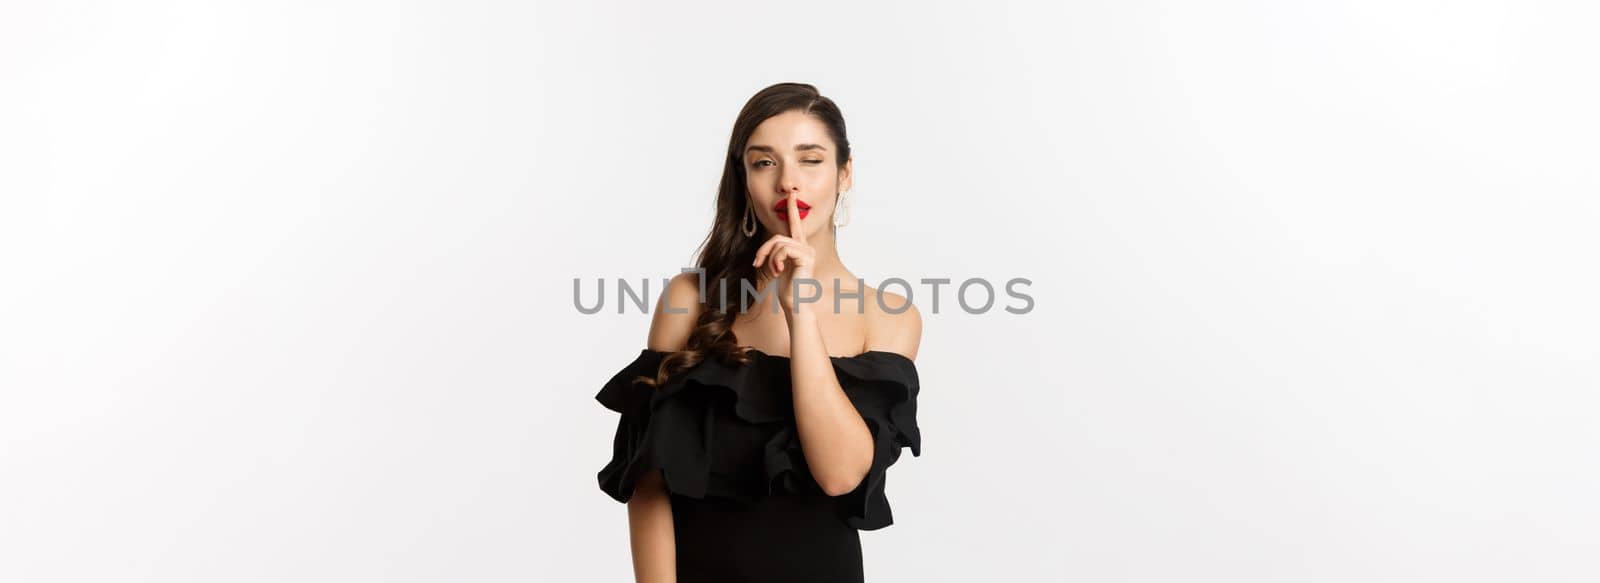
(754,437)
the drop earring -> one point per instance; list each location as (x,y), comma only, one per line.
(841,212)
(748,225)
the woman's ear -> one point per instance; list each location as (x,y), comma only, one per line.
(844,175)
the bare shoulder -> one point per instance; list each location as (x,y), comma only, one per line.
(893,323)
(675,314)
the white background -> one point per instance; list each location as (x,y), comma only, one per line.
(286,287)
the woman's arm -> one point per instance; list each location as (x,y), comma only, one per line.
(650,530)
(833,435)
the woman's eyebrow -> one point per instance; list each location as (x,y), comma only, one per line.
(797,148)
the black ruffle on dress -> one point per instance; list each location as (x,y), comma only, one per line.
(744,505)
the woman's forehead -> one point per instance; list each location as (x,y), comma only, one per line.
(784,131)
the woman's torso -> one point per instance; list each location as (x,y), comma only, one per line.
(789,537)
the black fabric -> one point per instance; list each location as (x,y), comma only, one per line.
(744,504)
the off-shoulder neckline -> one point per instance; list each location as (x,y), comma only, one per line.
(830,357)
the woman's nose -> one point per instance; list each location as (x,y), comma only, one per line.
(787,180)
(787,183)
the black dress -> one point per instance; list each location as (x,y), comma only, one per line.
(744,505)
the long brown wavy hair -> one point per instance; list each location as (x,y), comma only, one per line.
(726,253)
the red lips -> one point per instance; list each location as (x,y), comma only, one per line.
(783,205)
(782,208)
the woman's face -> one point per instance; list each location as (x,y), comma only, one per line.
(791,154)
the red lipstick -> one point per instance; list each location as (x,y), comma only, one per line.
(782,208)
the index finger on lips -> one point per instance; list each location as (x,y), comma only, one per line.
(795,230)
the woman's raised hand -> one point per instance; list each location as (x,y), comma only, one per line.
(788,257)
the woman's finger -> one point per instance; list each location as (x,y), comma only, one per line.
(766,248)
(776,261)
(795,230)
(769,263)
(780,255)
(761,253)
